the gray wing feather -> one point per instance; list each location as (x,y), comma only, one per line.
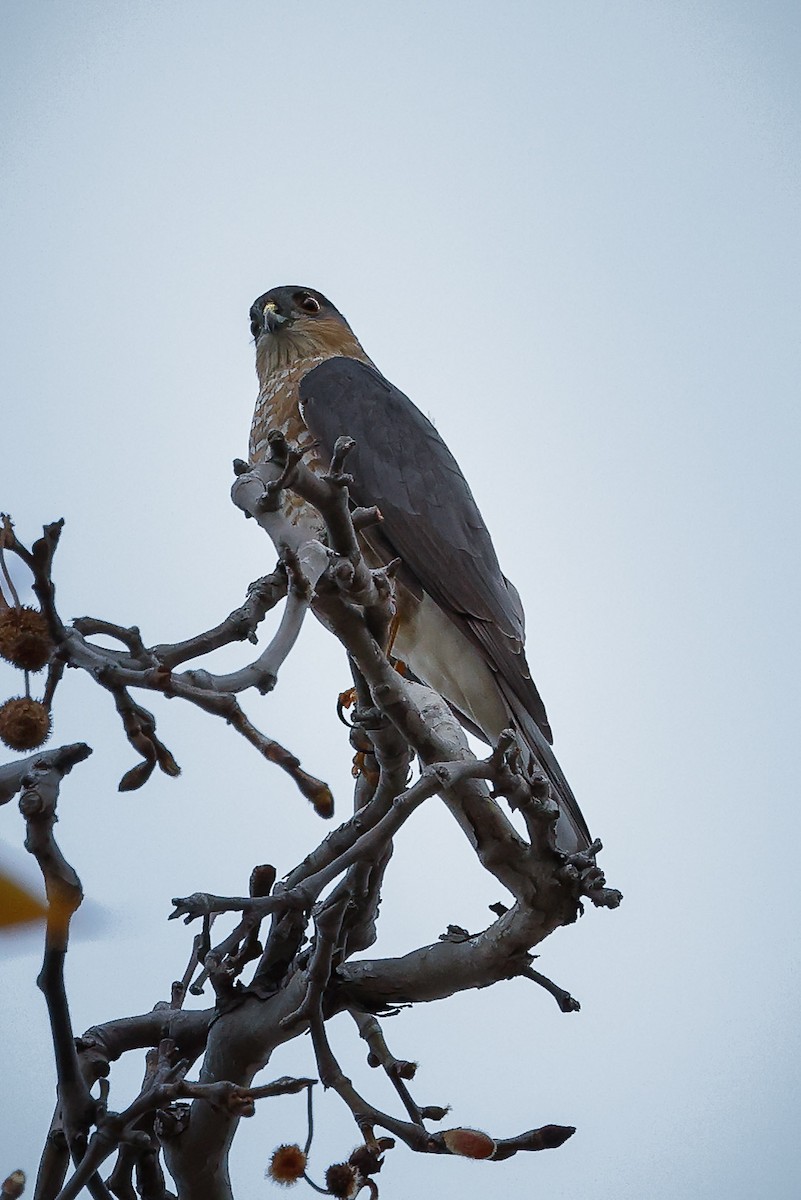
(431,519)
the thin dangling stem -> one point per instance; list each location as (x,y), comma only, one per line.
(9,581)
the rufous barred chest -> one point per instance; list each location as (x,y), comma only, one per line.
(281,364)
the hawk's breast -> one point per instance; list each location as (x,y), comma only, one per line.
(278,407)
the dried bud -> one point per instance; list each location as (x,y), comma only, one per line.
(24,723)
(342,1180)
(24,640)
(368,1159)
(435,1112)
(286,1165)
(262,879)
(14,1185)
(323,801)
(470,1143)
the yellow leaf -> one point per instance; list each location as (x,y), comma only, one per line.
(17,906)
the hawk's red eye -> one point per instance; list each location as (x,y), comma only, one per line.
(309,304)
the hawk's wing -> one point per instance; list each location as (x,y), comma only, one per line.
(430,517)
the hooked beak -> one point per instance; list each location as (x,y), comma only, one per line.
(271,319)
(266,319)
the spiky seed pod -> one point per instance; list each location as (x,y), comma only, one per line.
(24,723)
(342,1180)
(287,1165)
(24,640)
(470,1143)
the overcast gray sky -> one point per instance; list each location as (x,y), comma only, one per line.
(570,232)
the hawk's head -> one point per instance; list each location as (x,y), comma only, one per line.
(295,323)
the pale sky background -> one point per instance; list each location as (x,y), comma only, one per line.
(570,232)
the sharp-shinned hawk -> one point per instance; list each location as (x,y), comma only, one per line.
(460,625)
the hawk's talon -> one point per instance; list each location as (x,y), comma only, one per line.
(346,699)
(360,768)
(369,718)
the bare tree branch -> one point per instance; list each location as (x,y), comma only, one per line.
(61,759)
(270,991)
